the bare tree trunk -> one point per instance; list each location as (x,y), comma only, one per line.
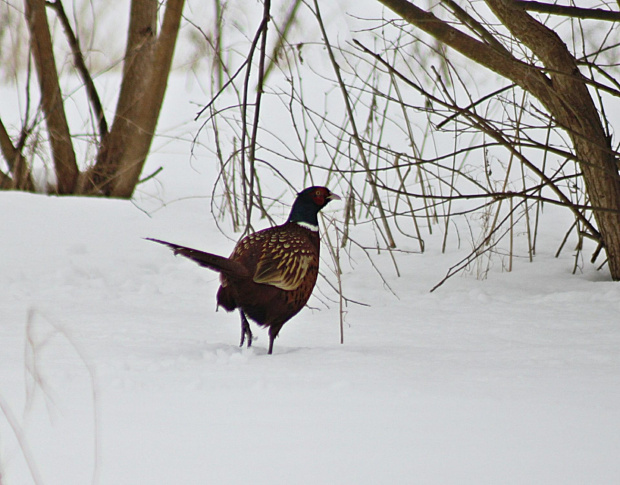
(124,148)
(562,91)
(148,115)
(135,84)
(51,98)
(145,75)
(572,106)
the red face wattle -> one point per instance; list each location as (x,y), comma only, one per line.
(319,196)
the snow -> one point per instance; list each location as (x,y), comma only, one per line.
(118,370)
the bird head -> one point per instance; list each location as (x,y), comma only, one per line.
(308,204)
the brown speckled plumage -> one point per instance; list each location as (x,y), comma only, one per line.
(271,273)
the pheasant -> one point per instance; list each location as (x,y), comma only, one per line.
(271,273)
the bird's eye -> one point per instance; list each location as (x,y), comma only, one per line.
(319,197)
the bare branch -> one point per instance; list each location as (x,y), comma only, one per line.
(80,65)
(288,23)
(249,179)
(18,167)
(480,52)
(475,26)
(356,137)
(566,11)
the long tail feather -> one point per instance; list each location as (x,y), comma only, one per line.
(208,260)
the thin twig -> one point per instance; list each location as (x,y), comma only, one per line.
(80,65)
(356,136)
(566,11)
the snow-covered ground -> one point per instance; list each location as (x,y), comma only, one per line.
(115,365)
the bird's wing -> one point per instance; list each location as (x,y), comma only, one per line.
(283,269)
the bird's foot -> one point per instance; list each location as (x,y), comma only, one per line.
(246,332)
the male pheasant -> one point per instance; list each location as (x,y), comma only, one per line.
(271,273)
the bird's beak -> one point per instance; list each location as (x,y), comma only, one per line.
(333,196)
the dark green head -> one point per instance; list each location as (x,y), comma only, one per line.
(308,204)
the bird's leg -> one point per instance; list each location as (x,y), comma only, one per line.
(274,330)
(245,330)
(270,345)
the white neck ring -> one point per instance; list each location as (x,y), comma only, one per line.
(307,225)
